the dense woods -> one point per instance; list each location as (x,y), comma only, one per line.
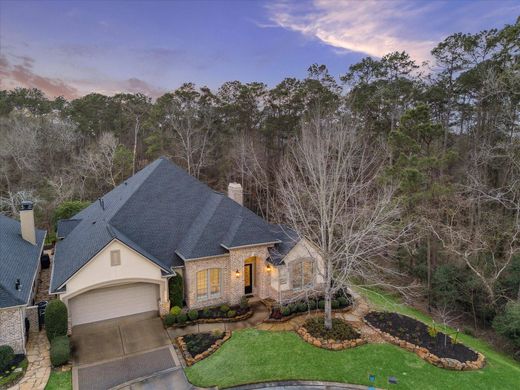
(445,135)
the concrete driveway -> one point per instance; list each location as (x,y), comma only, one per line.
(112,352)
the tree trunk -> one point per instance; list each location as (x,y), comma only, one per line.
(429,272)
(328,309)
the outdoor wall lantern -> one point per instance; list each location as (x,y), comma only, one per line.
(268,267)
(237,273)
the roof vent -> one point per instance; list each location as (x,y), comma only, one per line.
(18,285)
(102,203)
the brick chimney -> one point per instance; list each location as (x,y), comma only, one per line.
(235,192)
(27,222)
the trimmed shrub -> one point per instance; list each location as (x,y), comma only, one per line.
(224,309)
(312,304)
(182,318)
(206,313)
(244,302)
(343,301)
(321,304)
(341,330)
(302,306)
(286,311)
(169,319)
(176,290)
(60,350)
(231,313)
(334,304)
(293,307)
(176,310)
(193,315)
(56,319)
(6,355)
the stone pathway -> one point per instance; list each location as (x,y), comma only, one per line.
(44,278)
(39,367)
(354,317)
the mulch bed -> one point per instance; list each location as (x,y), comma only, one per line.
(415,332)
(198,346)
(215,316)
(305,307)
(13,363)
(341,336)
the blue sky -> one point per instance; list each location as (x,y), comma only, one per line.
(72,48)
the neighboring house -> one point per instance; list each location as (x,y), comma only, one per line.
(21,246)
(115,257)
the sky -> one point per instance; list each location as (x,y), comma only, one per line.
(72,48)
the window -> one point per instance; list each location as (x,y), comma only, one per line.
(115,258)
(209,283)
(301,274)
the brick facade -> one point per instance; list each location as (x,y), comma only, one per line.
(12,329)
(232,286)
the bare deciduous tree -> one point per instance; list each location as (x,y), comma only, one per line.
(330,193)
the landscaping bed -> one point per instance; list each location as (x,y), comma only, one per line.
(281,313)
(13,371)
(178,318)
(198,346)
(430,344)
(341,336)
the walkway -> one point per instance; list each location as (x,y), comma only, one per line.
(260,314)
(354,317)
(39,367)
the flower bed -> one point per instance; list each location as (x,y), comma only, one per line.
(223,313)
(13,372)
(281,313)
(198,346)
(341,336)
(429,344)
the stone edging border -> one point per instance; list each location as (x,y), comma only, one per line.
(334,345)
(345,309)
(215,320)
(190,360)
(423,353)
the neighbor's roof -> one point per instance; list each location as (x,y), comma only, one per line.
(19,259)
(166,215)
(65,226)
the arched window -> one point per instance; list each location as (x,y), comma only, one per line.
(209,283)
(302,274)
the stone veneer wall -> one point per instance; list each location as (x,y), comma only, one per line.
(31,313)
(12,329)
(232,287)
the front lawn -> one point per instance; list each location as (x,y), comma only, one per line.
(258,356)
(59,380)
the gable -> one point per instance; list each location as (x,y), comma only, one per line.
(99,269)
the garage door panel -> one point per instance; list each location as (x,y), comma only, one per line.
(112,302)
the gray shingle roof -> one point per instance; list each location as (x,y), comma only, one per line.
(65,226)
(19,259)
(163,213)
(288,239)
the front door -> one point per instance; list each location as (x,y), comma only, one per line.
(248,279)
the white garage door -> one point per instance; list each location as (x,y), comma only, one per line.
(111,302)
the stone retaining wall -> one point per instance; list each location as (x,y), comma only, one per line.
(334,345)
(423,353)
(190,360)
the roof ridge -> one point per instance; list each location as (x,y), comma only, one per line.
(211,205)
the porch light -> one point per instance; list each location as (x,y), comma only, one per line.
(237,273)
(268,268)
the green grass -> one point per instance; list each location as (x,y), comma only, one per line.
(13,377)
(258,356)
(59,380)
